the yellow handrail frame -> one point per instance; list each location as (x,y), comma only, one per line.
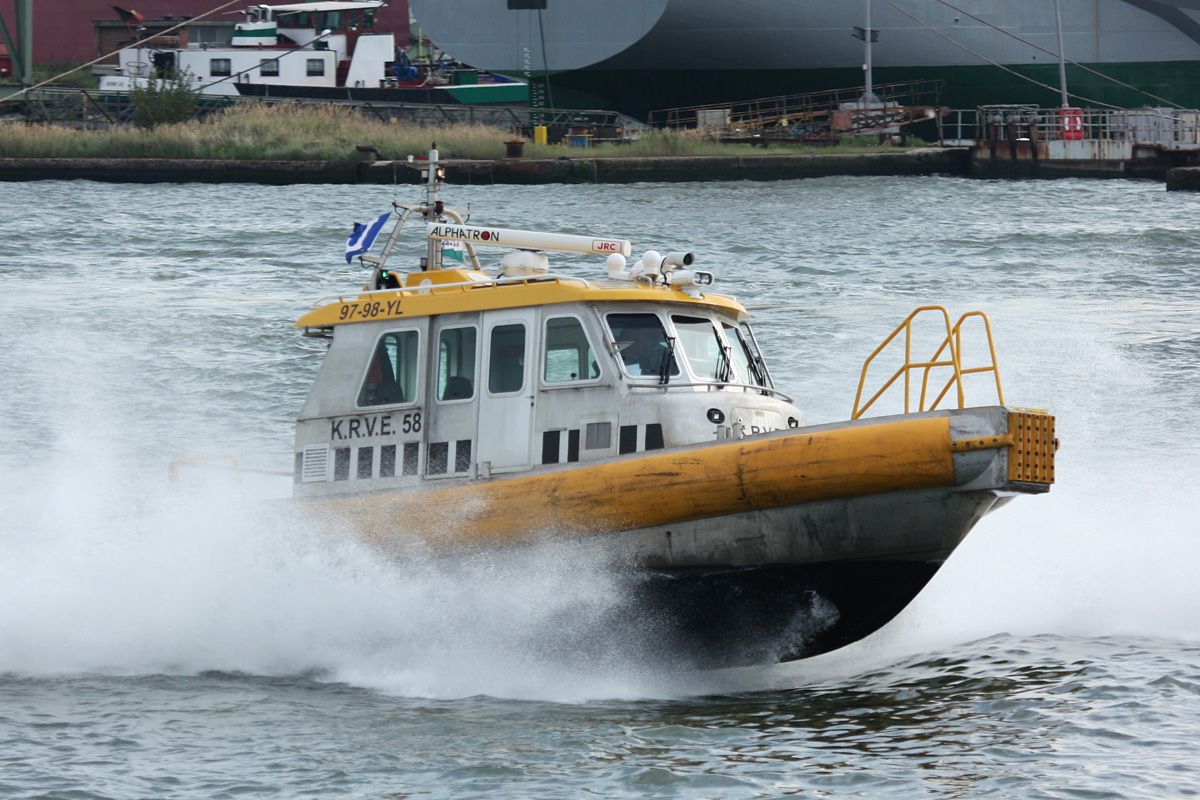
(952,349)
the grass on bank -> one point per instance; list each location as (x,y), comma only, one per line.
(253,131)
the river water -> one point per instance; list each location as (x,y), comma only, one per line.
(178,639)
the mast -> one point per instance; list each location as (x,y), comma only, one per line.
(433,209)
(1062,60)
(869,95)
(868,36)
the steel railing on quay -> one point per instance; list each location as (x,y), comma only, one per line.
(798,109)
(1168,128)
(95,108)
(497,115)
(85,107)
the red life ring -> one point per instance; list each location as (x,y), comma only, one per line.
(1070,123)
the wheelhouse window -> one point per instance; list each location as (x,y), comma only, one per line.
(315,67)
(392,374)
(569,354)
(269,67)
(220,67)
(456,364)
(202,34)
(506,362)
(703,347)
(747,365)
(645,349)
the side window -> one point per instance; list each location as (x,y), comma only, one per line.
(569,354)
(506,365)
(315,67)
(392,374)
(268,67)
(456,364)
(704,351)
(220,67)
(643,345)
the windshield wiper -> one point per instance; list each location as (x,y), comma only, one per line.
(724,366)
(664,371)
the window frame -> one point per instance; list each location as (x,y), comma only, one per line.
(667,329)
(476,366)
(717,337)
(545,350)
(308,68)
(263,63)
(417,389)
(491,360)
(212,67)
(738,340)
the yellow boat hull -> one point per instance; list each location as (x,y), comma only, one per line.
(772,547)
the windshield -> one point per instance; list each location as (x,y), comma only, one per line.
(645,349)
(704,350)
(746,364)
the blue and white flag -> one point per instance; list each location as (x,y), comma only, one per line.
(363,237)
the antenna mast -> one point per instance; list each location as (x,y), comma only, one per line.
(432,212)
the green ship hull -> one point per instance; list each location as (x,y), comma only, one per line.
(637,92)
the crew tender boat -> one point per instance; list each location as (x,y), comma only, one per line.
(472,408)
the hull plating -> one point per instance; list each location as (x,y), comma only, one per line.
(772,548)
(642,57)
(818,576)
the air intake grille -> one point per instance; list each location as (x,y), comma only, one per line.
(316,464)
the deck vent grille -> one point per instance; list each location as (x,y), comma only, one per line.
(316,464)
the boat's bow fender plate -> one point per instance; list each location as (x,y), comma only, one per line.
(1031,455)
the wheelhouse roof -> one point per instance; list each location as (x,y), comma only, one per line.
(455,291)
(328,5)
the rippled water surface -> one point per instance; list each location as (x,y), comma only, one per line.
(191,639)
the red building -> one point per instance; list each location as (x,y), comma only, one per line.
(64,33)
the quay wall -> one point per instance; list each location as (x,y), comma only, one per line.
(923,161)
(1183,179)
(176,170)
(962,161)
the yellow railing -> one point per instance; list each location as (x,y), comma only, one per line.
(948,354)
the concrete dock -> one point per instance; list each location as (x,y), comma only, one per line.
(1019,161)
(921,161)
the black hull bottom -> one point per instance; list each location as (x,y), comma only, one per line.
(771,614)
(359,94)
(435,95)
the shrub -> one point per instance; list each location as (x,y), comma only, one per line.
(163,102)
